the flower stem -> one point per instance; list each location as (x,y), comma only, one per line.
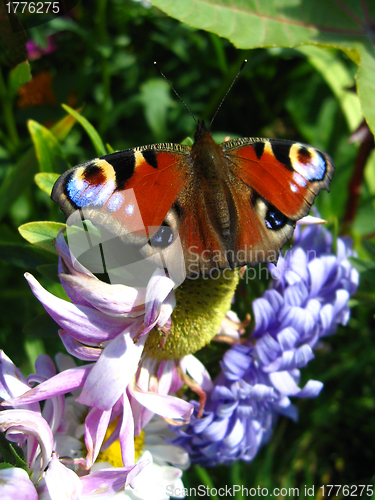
(206,480)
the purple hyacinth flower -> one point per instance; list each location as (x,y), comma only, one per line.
(307,300)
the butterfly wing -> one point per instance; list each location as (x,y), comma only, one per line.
(273,183)
(129,191)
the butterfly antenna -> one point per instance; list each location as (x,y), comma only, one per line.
(175,91)
(230,88)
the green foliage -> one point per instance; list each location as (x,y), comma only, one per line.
(304,61)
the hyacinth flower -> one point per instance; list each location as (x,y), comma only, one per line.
(35,470)
(307,300)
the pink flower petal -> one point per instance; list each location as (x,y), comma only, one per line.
(110,299)
(62,383)
(15,483)
(127,434)
(113,371)
(31,424)
(158,289)
(175,410)
(79,350)
(96,424)
(13,381)
(106,482)
(83,323)
(61,482)
(197,371)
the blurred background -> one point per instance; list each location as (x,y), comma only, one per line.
(99,58)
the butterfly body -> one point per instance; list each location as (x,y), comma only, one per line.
(229,205)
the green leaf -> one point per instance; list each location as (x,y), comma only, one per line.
(11,454)
(41,326)
(41,233)
(18,76)
(339,79)
(92,133)
(23,256)
(47,147)
(342,25)
(45,181)
(49,271)
(155,97)
(22,173)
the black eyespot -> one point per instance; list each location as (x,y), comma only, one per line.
(275,220)
(163,237)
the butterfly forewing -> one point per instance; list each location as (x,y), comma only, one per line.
(287,174)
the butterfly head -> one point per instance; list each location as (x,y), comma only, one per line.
(201,131)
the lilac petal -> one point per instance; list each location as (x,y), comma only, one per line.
(297,294)
(342,298)
(318,275)
(61,482)
(83,323)
(96,425)
(287,338)
(32,424)
(217,430)
(15,483)
(311,390)
(62,383)
(298,266)
(267,349)
(284,383)
(236,362)
(103,483)
(235,436)
(112,372)
(197,371)
(126,436)
(116,300)
(79,350)
(284,406)
(158,289)
(176,410)
(221,392)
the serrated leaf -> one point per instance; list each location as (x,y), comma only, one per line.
(18,76)
(344,25)
(47,147)
(41,233)
(91,132)
(21,175)
(45,181)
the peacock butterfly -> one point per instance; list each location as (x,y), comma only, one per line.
(229,205)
